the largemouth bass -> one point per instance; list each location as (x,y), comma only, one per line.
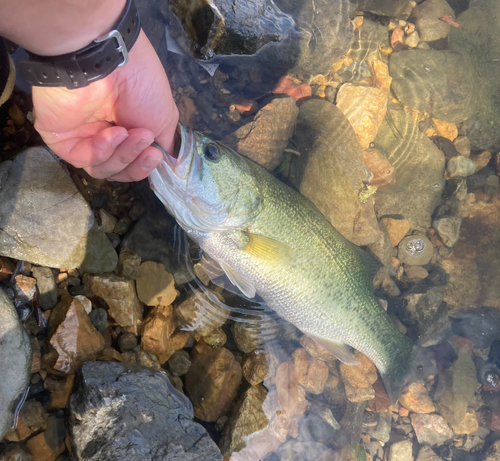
(272,241)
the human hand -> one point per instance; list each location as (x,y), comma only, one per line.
(107,127)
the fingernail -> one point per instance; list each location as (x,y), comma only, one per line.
(142,144)
(150,163)
(118,140)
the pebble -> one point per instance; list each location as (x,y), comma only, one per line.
(401,451)
(468,425)
(426,17)
(60,388)
(448,229)
(427,454)
(311,373)
(108,222)
(460,167)
(31,419)
(430,429)
(382,429)
(356,394)
(212,382)
(129,264)
(482,159)
(415,273)
(382,170)
(256,367)
(24,288)
(99,318)
(155,286)
(127,341)
(73,339)
(40,449)
(416,399)
(415,250)
(462,145)
(179,363)
(396,228)
(120,296)
(216,338)
(318,352)
(247,339)
(360,376)
(86,303)
(412,39)
(47,287)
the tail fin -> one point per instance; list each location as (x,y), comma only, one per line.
(410,367)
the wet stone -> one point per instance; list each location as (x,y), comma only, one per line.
(256,367)
(401,451)
(73,339)
(217,338)
(129,264)
(119,294)
(40,449)
(247,419)
(60,388)
(179,363)
(212,381)
(460,167)
(416,399)
(462,145)
(396,228)
(311,373)
(415,250)
(427,454)
(47,287)
(382,430)
(359,376)
(468,425)
(155,424)
(264,139)
(127,341)
(155,286)
(426,17)
(356,394)
(24,288)
(430,429)
(247,339)
(31,419)
(448,229)
(157,329)
(99,318)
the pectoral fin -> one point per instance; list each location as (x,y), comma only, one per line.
(246,287)
(336,348)
(268,249)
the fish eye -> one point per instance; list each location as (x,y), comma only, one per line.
(211,152)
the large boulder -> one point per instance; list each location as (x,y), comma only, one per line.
(45,220)
(133,413)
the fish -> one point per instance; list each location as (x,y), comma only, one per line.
(273,242)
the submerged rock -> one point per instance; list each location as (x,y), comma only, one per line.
(265,138)
(419,167)
(15,362)
(151,419)
(439,83)
(426,18)
(45,220)
(430,429)
(329,149)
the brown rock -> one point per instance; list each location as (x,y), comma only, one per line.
(246,107)
(157,331)
(40,449)
(31,419)
(468,425)
(382,170)
(364,107)
(311,373)
(416,399)
(155,286)
(247,339)
(119,294)
(129,264)
(397,229)
(247,419)
(360,376)
(60,388)
(258,367)
(25,288)
(212,382)
(73,339)
(146,359)
(110,354)
(318,352)
(414,273)
(6,268)
(187,109)
(482,159)
(265,138)
(357,394)
(430,429)
(445,129)
(216,339)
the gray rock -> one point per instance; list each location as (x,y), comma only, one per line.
(121,412)
(127,341)
(266,137)
(329,149)
(47,287)
(459,167)
(15,362)
(425,315)
(382,430)
(492,186)
(415,250)
(151,239)
(419,167)
(448,229)
(430,429)
(45,220)
(401,451)
(99,318)
(426,18)
(179,363)
(391,8)
(439,83)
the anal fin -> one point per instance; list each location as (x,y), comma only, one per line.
(337,349)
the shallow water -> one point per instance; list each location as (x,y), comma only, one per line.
(417,99)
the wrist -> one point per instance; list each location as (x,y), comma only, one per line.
(56,27)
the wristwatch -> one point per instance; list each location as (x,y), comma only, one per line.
(93,62)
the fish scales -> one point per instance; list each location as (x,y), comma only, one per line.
(273,241)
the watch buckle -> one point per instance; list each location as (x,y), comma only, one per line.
(122,48)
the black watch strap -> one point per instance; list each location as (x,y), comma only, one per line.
(93,62)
